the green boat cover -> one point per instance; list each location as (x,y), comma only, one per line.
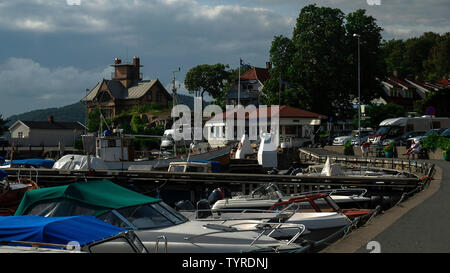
(101,196)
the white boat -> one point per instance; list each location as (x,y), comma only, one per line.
(157,225)
(267,195)
(116,152)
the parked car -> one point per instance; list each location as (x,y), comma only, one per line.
(430,132)
(4,142)
(403,139)
(342,138)
(446,133)
(365,133)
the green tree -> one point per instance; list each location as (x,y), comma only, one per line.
(370,62)
(93,120)
(378,113)
(437,65)
(437,99)
(206,78)
(319,62)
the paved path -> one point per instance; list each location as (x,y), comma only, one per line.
(421,224)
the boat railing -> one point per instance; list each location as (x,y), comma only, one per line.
(272,227)
(38,244)
(333,191)
(157,244)
(263,228)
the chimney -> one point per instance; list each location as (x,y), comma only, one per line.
(117,61)
(51,119)
(395,72)
(137,68)
(136,62)
(268,65)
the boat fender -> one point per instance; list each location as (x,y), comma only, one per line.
(203,209)
(184,205)
(375,201)
(386,202)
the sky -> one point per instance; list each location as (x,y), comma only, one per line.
(51,51)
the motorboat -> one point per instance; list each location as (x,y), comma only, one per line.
(319,213)
(37,234)
(11,193)
(267,195)
(116,152)
(154,222)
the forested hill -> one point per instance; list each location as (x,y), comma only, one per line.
(73,112)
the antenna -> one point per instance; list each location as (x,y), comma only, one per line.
(174,88)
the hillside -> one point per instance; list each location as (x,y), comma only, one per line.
(73,112)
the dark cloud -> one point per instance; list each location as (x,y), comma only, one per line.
(77,43)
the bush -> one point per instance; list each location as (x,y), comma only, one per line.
(432,142)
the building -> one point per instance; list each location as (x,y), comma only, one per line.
(294,128)
(401,92)
(251,85)
(125,90)
(45,133)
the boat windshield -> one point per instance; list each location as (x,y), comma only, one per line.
(147,216)
(383,130)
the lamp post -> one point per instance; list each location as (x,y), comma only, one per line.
(359,91)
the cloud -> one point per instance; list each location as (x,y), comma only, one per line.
(35,86)
(60,49)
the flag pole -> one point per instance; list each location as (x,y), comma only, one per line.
(239,83)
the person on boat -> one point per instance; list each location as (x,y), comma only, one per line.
(365,148)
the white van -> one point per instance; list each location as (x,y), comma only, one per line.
(394,127)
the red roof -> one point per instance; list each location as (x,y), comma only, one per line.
(284,112)
(256,73)
(444,82)
(399,81)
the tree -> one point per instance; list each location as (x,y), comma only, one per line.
(319,62)
(93,120)
(3,127)
(378,113)
(437,99)
(207,78)
(371,63)
(437,65)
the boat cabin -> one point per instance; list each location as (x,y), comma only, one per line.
(195,167)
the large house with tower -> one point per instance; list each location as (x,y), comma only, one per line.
(125,90)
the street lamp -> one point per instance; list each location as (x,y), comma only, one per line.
(359,91)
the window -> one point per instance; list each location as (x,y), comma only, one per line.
(20,134)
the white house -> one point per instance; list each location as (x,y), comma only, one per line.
(293,128)
(47,133)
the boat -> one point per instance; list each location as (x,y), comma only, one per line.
(152,220)
(11,193)
(198,166)
(319,213)
(267,195)
(116,152)
(36,234)
(335,169)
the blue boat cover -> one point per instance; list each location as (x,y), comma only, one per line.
(3,174)
(35,162)
(56,230)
